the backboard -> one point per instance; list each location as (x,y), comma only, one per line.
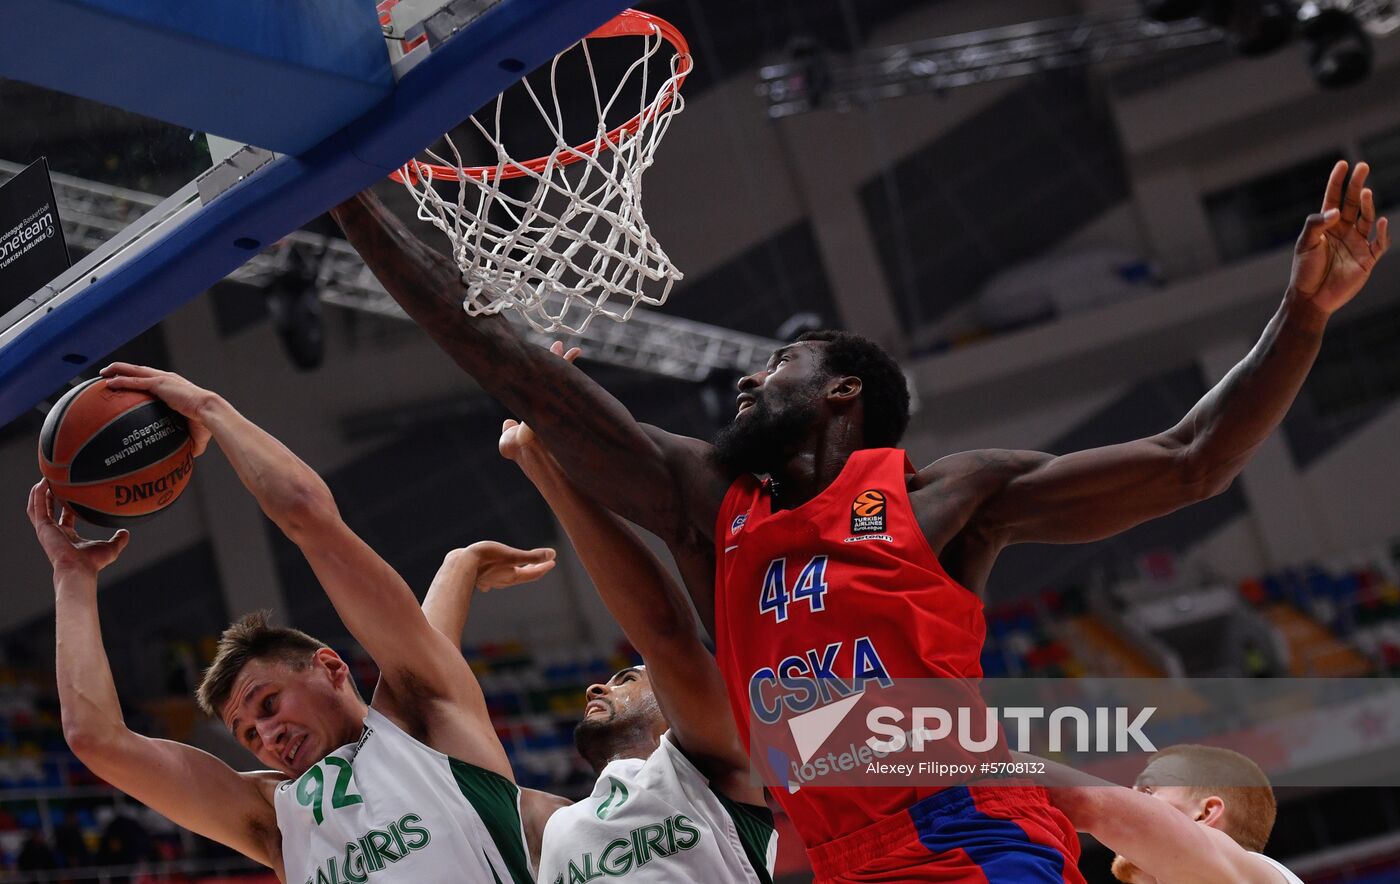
(303,106)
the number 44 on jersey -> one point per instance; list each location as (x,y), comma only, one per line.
(810,586)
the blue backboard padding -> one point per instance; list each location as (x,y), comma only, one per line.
(272,73)
(454,80)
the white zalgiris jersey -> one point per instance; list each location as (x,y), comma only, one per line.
(389,809)
(657,820)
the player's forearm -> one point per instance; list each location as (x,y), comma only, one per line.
(87,695)
(449,599)
(428,286)
(1070,790)
(1230,423)
(1157,837)
(289,492)
(633,584)
(595,437)
(657,619)
(426,283)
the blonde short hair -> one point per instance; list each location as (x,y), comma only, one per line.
(1250,806)
(250,638)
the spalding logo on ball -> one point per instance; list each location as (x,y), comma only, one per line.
(115,456)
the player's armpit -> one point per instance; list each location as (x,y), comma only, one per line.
(702,483)
(194,790)
(457,725)
(700,486)
(536,808)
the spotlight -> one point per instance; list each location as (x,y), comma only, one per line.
(1339,52)
(812,66)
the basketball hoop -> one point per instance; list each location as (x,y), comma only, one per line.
(577,245)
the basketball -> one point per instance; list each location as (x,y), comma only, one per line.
(115,457)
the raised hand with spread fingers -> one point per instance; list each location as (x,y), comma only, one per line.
(1340,245)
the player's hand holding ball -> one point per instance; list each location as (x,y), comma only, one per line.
(181,395)
(120,448)
(68,552)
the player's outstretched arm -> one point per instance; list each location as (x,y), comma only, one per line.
(487,564)
(448,603)
(190,787)
(491,565)
(653,612)
(1093,494)
(1156,837)
(423,676)
(672,488)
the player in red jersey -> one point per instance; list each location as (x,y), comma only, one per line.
(821,421)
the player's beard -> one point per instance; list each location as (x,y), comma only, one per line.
(593,740)
(762,438)
(601,739)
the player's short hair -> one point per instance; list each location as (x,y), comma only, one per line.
(250,638)
(883,392)
(1250,806)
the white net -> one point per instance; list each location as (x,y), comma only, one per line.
(561,239)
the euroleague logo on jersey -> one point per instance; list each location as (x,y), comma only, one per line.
(868,512)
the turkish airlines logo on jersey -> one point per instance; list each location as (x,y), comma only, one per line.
(868,512)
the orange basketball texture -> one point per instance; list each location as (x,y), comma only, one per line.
(115,456)
(869,503)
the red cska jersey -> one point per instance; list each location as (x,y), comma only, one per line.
(848,582)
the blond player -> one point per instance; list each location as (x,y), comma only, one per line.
(413,786)
(1196,815)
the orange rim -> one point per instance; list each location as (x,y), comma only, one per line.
(630,23)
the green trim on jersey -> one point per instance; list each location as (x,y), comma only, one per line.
(756,830)
(616,792)
(497,801)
